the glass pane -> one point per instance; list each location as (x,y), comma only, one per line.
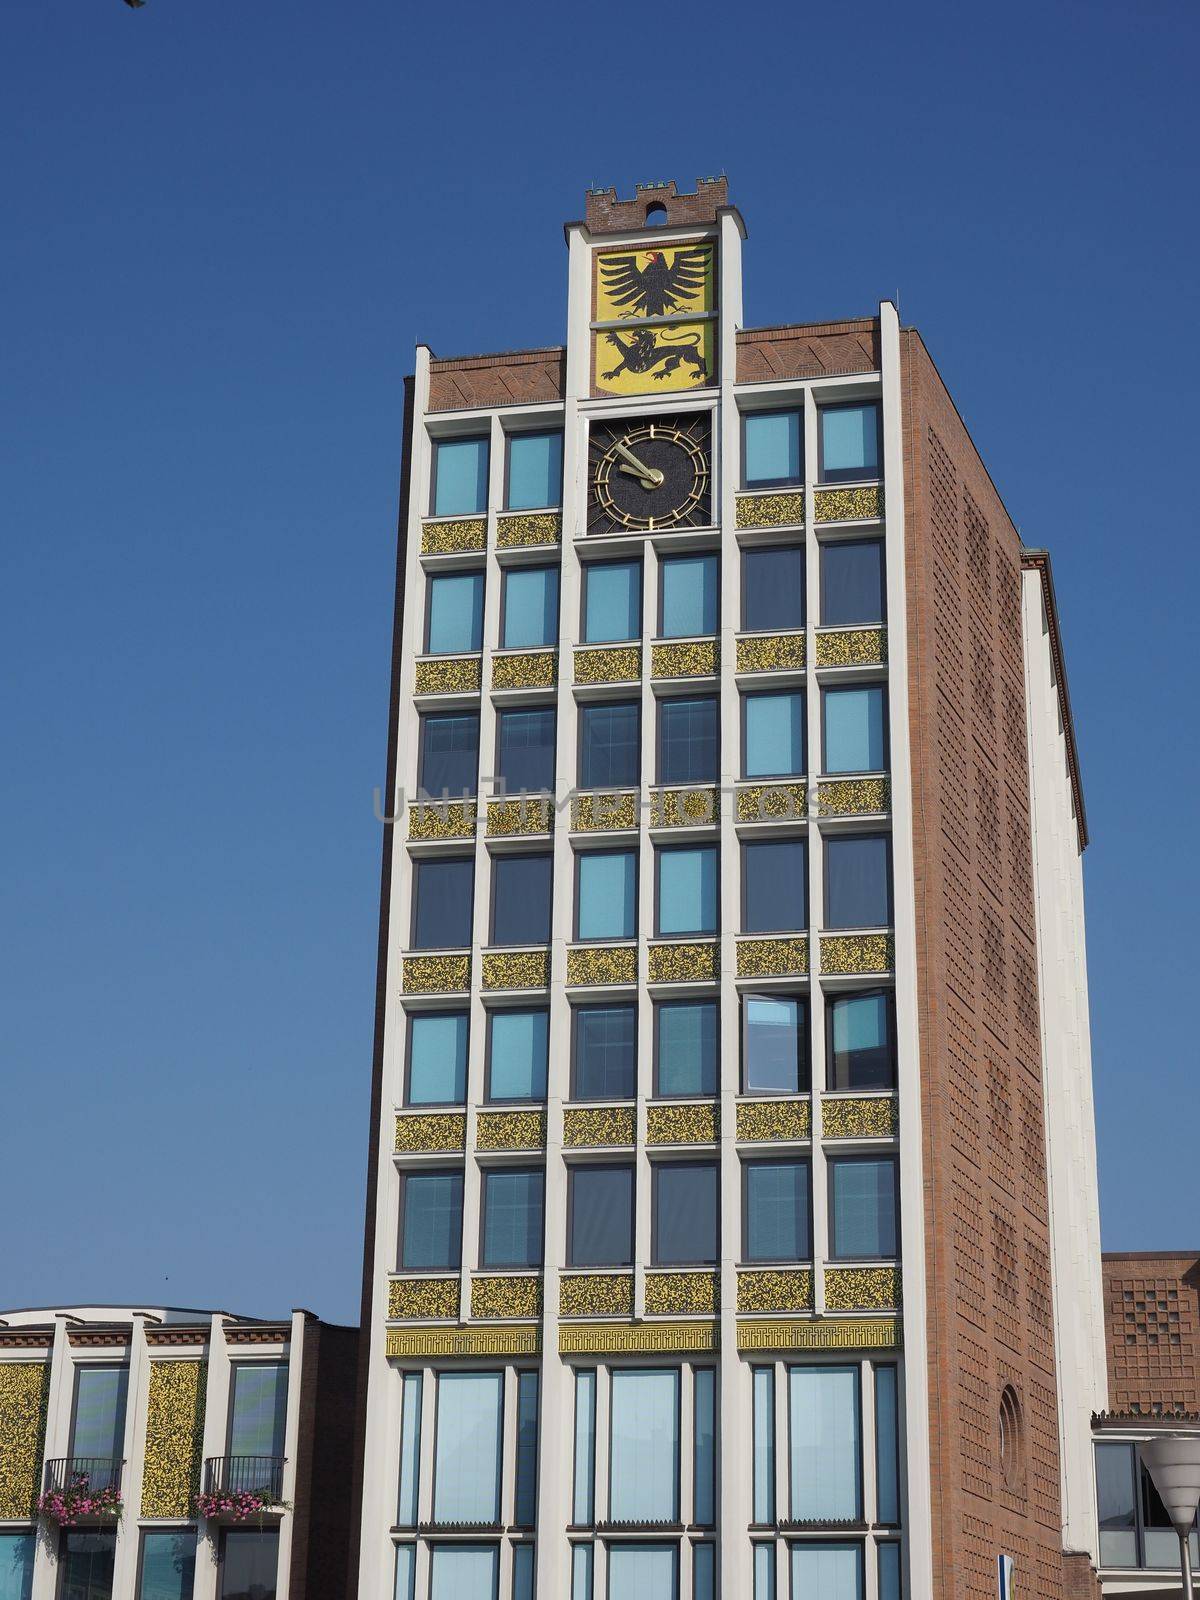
(858,889)
(410,1451)
(889,1572)
(642,1571)
(764,1572)
(607,894)
(521,899)
(258,1419)
(463,1571)
(775,886)
(609,746)
(449,755)
(17,1551)
(86,1566)
(689,595)
(512,1210)
(525,1514)
(168,1566)
(437,1063)
(249,1562)
(849,442)
(583,1502)
(704,1572)
(455,613)
(774,1044)
(687,741)
(581,1571)
(99,1427)
(764,1445)
(854,730)
(777,1211)
(432,1234)
(522,1579)
(887,1446)
(466,1468)
(601,1216)
(534,471)
(644,1482)
(687,890)
(530,607)
(613,604)
(1116,1505)
(860,1031)
(444,893)
(605,1052)
(826,1433)
(774,726)
(406,1572)
(525,751)
(461,477)
(863,1201)
(685,1214)
(704,1460)
(852,583)
(519,1054)
(687,1047)
(773,589)
(827,1571)
(772,446)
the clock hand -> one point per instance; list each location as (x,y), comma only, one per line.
(652,473)
(646,483)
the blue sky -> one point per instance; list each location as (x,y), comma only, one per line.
(226,227)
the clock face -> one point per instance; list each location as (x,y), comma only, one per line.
(651,473)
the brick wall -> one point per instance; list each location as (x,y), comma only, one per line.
(1152,1326)
(606,214)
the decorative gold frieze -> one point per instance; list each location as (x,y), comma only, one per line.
(682,1123)
(498,1298)
(649,1338)
(862,1288)
(528,527)
(865,1117)
(531,669)
(853,797)
(516,969)
(437,974)
(770,510)
(772,958)
(622,665)
(857,952)
(595,1294)
(456,537)
(771,652)
(585,1126)
(682,963)
(821,1333)
(510,1130)
(775,1291)
(759,1120)
(528,814)
(849,505)
(422,1133)
(602,964)
(773,802)
(437,819)
(593,813)
(686,658)
(24,1395)
(687,1294)
(852,647)
(174,1437)
(684,808)
(449,675)
(412,1298)
(414,1344)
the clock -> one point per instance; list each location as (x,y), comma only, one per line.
(650,473)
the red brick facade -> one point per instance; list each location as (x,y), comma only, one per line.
(1152,1326)
(606,214)
(807,350)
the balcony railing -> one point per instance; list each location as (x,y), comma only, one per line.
(245,1475)
(95,1473)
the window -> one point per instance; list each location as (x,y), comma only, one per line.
(774,1044)
(410,1450)
(512,1217)
(525,751)
(406,1572)
(850,444)
(774,885)
(534,471)
(466,1465)
(825,1425)
(449,762)
(687,741)
(460,477)
(704,1572)
(581,1571)
(612,601)
(518,1054)
(858,886)
(523,1564)
(437,1058)
(685,1047)
(249,1562)
(98,1426)
(530,607)
(852,591)
(887,1447)
(888,1555)
(583,1499)
(862,1208)
(687,889)
(772,449)
(764,1446)
(431,1220)
(860,1037)
(606,894)
(258,1408)
(854,729)
(704,1451)
(823,1571)
(764,1570)
(525,1495)
(85,1565)
(684,1218)
(689,596)
(643,1571)
(464,1571)
(17,1551)
(604,1052)
(1160,1542)
(600,1213)
(167,1568)
(610,745)
(521,899)
(1117,1505)
(455,617)
(776,1211)
(773,735)
(773,588)
(443,902)
(644,1464)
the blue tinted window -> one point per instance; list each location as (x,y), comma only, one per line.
(431,1233)
(852,583)
(521,899)
(525,751)
(450,754)
(530,607)
(859,1031)
(774,1044)
(258,1415)
(519,1052)
(525,1498)
(437,1058)
(849,442)
(858,890)
(460,475)
(469,1429)
(17,1551)
(688,595)
(687,741)
(512,1218)
(98,1426)
(772,448)
(607,893)
(609,745)
(605,1052)
(168,1566)
(463,1571)
(774,726)
(854,724)
(774,886)
(777,1211)
(773,588)
(612,608)
(826,1433)
(862,1204)
(455,613)
(601,1213)
(687,1047)
(687,890)
(889,1571)
(685,1212)
(444,895)
(534,471)
(887,1448)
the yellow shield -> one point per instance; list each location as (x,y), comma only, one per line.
(654,358)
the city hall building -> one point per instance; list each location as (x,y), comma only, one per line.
(732,1220)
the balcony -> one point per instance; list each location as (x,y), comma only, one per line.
(261,1475)
(83,1474)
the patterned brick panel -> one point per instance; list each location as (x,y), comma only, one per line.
(807,351)
(1152,1316)
(517,377)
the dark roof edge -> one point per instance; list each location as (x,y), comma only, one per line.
(1150,1255)
(1039,561)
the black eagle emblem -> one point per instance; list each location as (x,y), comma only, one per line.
(655,289)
